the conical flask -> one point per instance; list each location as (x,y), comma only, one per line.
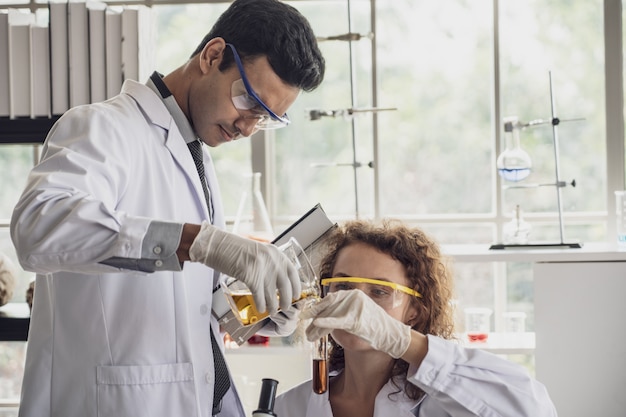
(517,230)
(252,219)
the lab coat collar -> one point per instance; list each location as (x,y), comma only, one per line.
(155,82)
(155,110)
(157,113)
(389,402)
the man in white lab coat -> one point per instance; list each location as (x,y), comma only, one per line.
(121,325)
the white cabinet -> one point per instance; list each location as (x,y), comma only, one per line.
(580,316)
(580,352)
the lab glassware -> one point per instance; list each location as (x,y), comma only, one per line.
(513,163)
(477,323)
(517,230)
(320,365)
(234,304)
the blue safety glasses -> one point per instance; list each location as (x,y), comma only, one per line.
(244,98)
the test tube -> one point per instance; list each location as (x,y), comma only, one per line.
(320,365)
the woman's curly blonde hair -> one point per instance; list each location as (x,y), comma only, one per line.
(425,266)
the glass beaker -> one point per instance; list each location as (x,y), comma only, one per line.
(240,297)
(477,324)
(515,326)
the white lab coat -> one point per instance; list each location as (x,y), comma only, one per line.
(103,341)
(458,382)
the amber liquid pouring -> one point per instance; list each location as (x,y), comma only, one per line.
(247,309)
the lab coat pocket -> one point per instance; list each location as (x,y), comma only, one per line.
(153,390)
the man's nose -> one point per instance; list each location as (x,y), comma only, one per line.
(247,126)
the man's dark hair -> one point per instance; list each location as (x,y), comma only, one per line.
(276,30)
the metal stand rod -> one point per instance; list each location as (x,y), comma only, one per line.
(353,122)
(555,136)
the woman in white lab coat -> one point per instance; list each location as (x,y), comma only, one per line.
(391,349)
(121,325)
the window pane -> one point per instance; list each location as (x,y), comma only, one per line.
(16,162)
(435,61)
(315,155)
(566,39)
(12,355)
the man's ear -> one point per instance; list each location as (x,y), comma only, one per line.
(212,53)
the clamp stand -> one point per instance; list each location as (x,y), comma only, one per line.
(554,121)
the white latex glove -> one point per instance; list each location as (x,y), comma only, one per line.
(261,266)
(283,323)
(356,313)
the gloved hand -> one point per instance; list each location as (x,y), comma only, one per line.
(261,266)
(282,323)
(356,313)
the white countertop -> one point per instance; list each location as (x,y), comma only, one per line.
(589,252)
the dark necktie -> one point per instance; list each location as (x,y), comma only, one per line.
(222,380)
(195,147)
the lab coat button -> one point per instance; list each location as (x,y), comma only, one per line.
(158,263)
(157,250)
(204,309)
(208,378)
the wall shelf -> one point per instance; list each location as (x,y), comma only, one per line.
(589,252)
(14,322)
(503,343)
(24,130)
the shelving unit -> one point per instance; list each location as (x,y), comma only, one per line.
(14,322)
(25,130)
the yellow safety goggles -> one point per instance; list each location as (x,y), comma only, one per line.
(386,294)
